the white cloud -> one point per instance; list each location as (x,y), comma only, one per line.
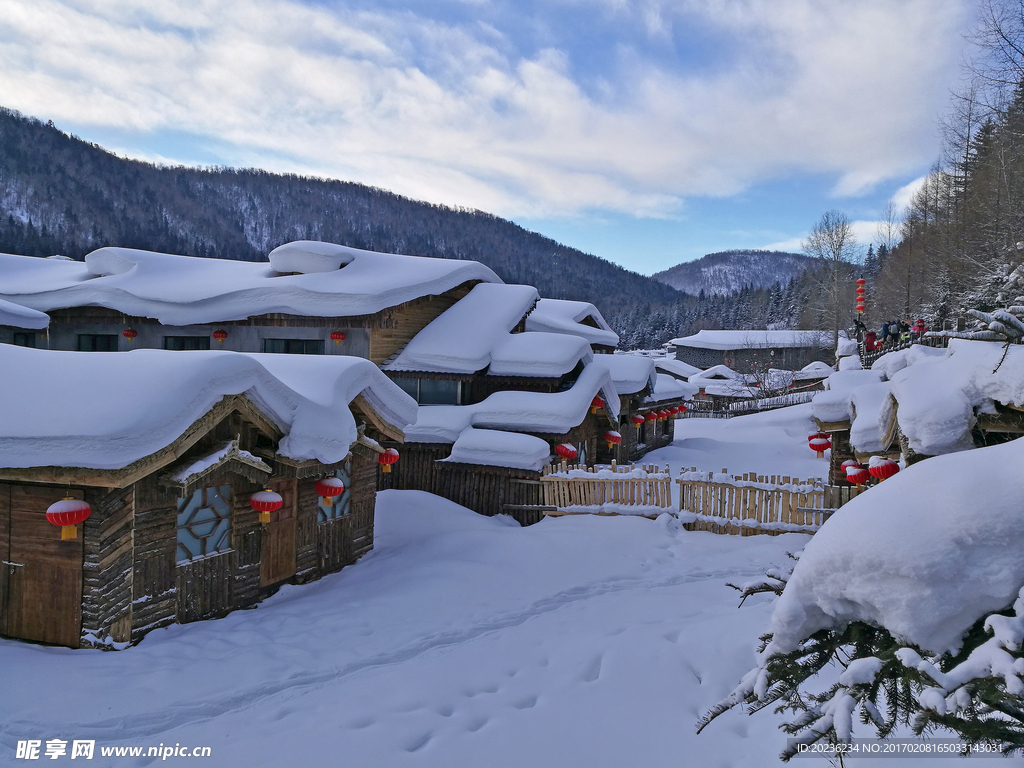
(906,193)
(454,113)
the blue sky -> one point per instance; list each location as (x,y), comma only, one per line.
(648,132)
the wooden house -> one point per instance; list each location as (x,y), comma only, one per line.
(311,298)
(168,450)
(750,351)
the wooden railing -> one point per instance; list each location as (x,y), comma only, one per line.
(751,504)
(609,490)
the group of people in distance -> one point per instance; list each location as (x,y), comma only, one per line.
(893,332)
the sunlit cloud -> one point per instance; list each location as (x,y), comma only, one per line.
(474,112)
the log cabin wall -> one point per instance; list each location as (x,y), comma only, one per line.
(841,451)
(395,326)
(108,568)
(490,490)
(344,540)
(154,594)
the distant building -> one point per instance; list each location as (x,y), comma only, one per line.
(750,351)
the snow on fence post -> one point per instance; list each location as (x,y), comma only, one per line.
(751,504)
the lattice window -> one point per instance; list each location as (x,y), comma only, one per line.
(204,523)
(342,504)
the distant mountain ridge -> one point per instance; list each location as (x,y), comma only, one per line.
(720,274)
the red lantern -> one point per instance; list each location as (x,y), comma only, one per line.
(386,459)
(129,333)
(651,416)
(638,420)
(882,468)
(856,475)
(861,290)
(819,443)
(327,488)
(596,404)
(566,451)
(337,337)
(859,307)
(220,335)
(612,438)
(682,409)
(265,502)
(848,463)
(861,281)
(68,513)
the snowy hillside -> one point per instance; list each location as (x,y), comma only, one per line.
(722,273)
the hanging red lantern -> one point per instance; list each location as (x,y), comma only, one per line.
(386,459)
(567,451)
(596,404)
(856,475)
(68,513)
(265,502)
(651,416)
(129,333)
(220,334)
(848,463)
(861,281)
(881,467)
(612,438)
(327,488)
(819,443)
(682,409)
(337,337)
(638,420)
(859,307)
(665,415)
(861,289)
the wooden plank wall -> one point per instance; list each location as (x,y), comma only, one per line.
(396,326)
(346,539)
(154,593)
(108,568)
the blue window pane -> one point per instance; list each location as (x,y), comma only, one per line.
(204,523)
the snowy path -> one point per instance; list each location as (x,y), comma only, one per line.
(459,641)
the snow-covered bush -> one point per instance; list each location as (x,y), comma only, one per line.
(914,594)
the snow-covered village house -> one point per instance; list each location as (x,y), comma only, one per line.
(753,351)
(521,393)
(312,298)
(173,452)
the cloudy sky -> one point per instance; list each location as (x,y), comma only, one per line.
(648,132)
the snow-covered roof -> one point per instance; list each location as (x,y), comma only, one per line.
(105,410)
(815,370)
(834,404)
(495,448)
(543,412)
(871,408)
(564,316)
(539,354)
(939,397)
(925,554)
(846,347)
(676,368)
(723,340)
(331,281)
(670,388)
(17,316)
(631,373)
(716,372)
(462,338)
(476,333)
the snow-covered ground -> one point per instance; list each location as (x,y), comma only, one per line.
(459,641)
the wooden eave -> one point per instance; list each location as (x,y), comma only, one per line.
(832,426)
(1006,420)
(363,409)
(125,476)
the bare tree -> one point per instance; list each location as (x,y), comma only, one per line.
(832,242)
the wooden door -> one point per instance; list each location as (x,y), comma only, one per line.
(277,559)
(41,588)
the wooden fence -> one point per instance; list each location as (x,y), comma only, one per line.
(607,490)
(751,504)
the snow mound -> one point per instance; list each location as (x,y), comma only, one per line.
(631,373)
(575,318)
(924,554)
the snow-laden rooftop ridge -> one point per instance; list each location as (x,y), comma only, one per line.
(723,340)
(105,410)
(564,316)
(18,316)
(184,290)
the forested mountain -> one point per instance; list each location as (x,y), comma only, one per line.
(722,273)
